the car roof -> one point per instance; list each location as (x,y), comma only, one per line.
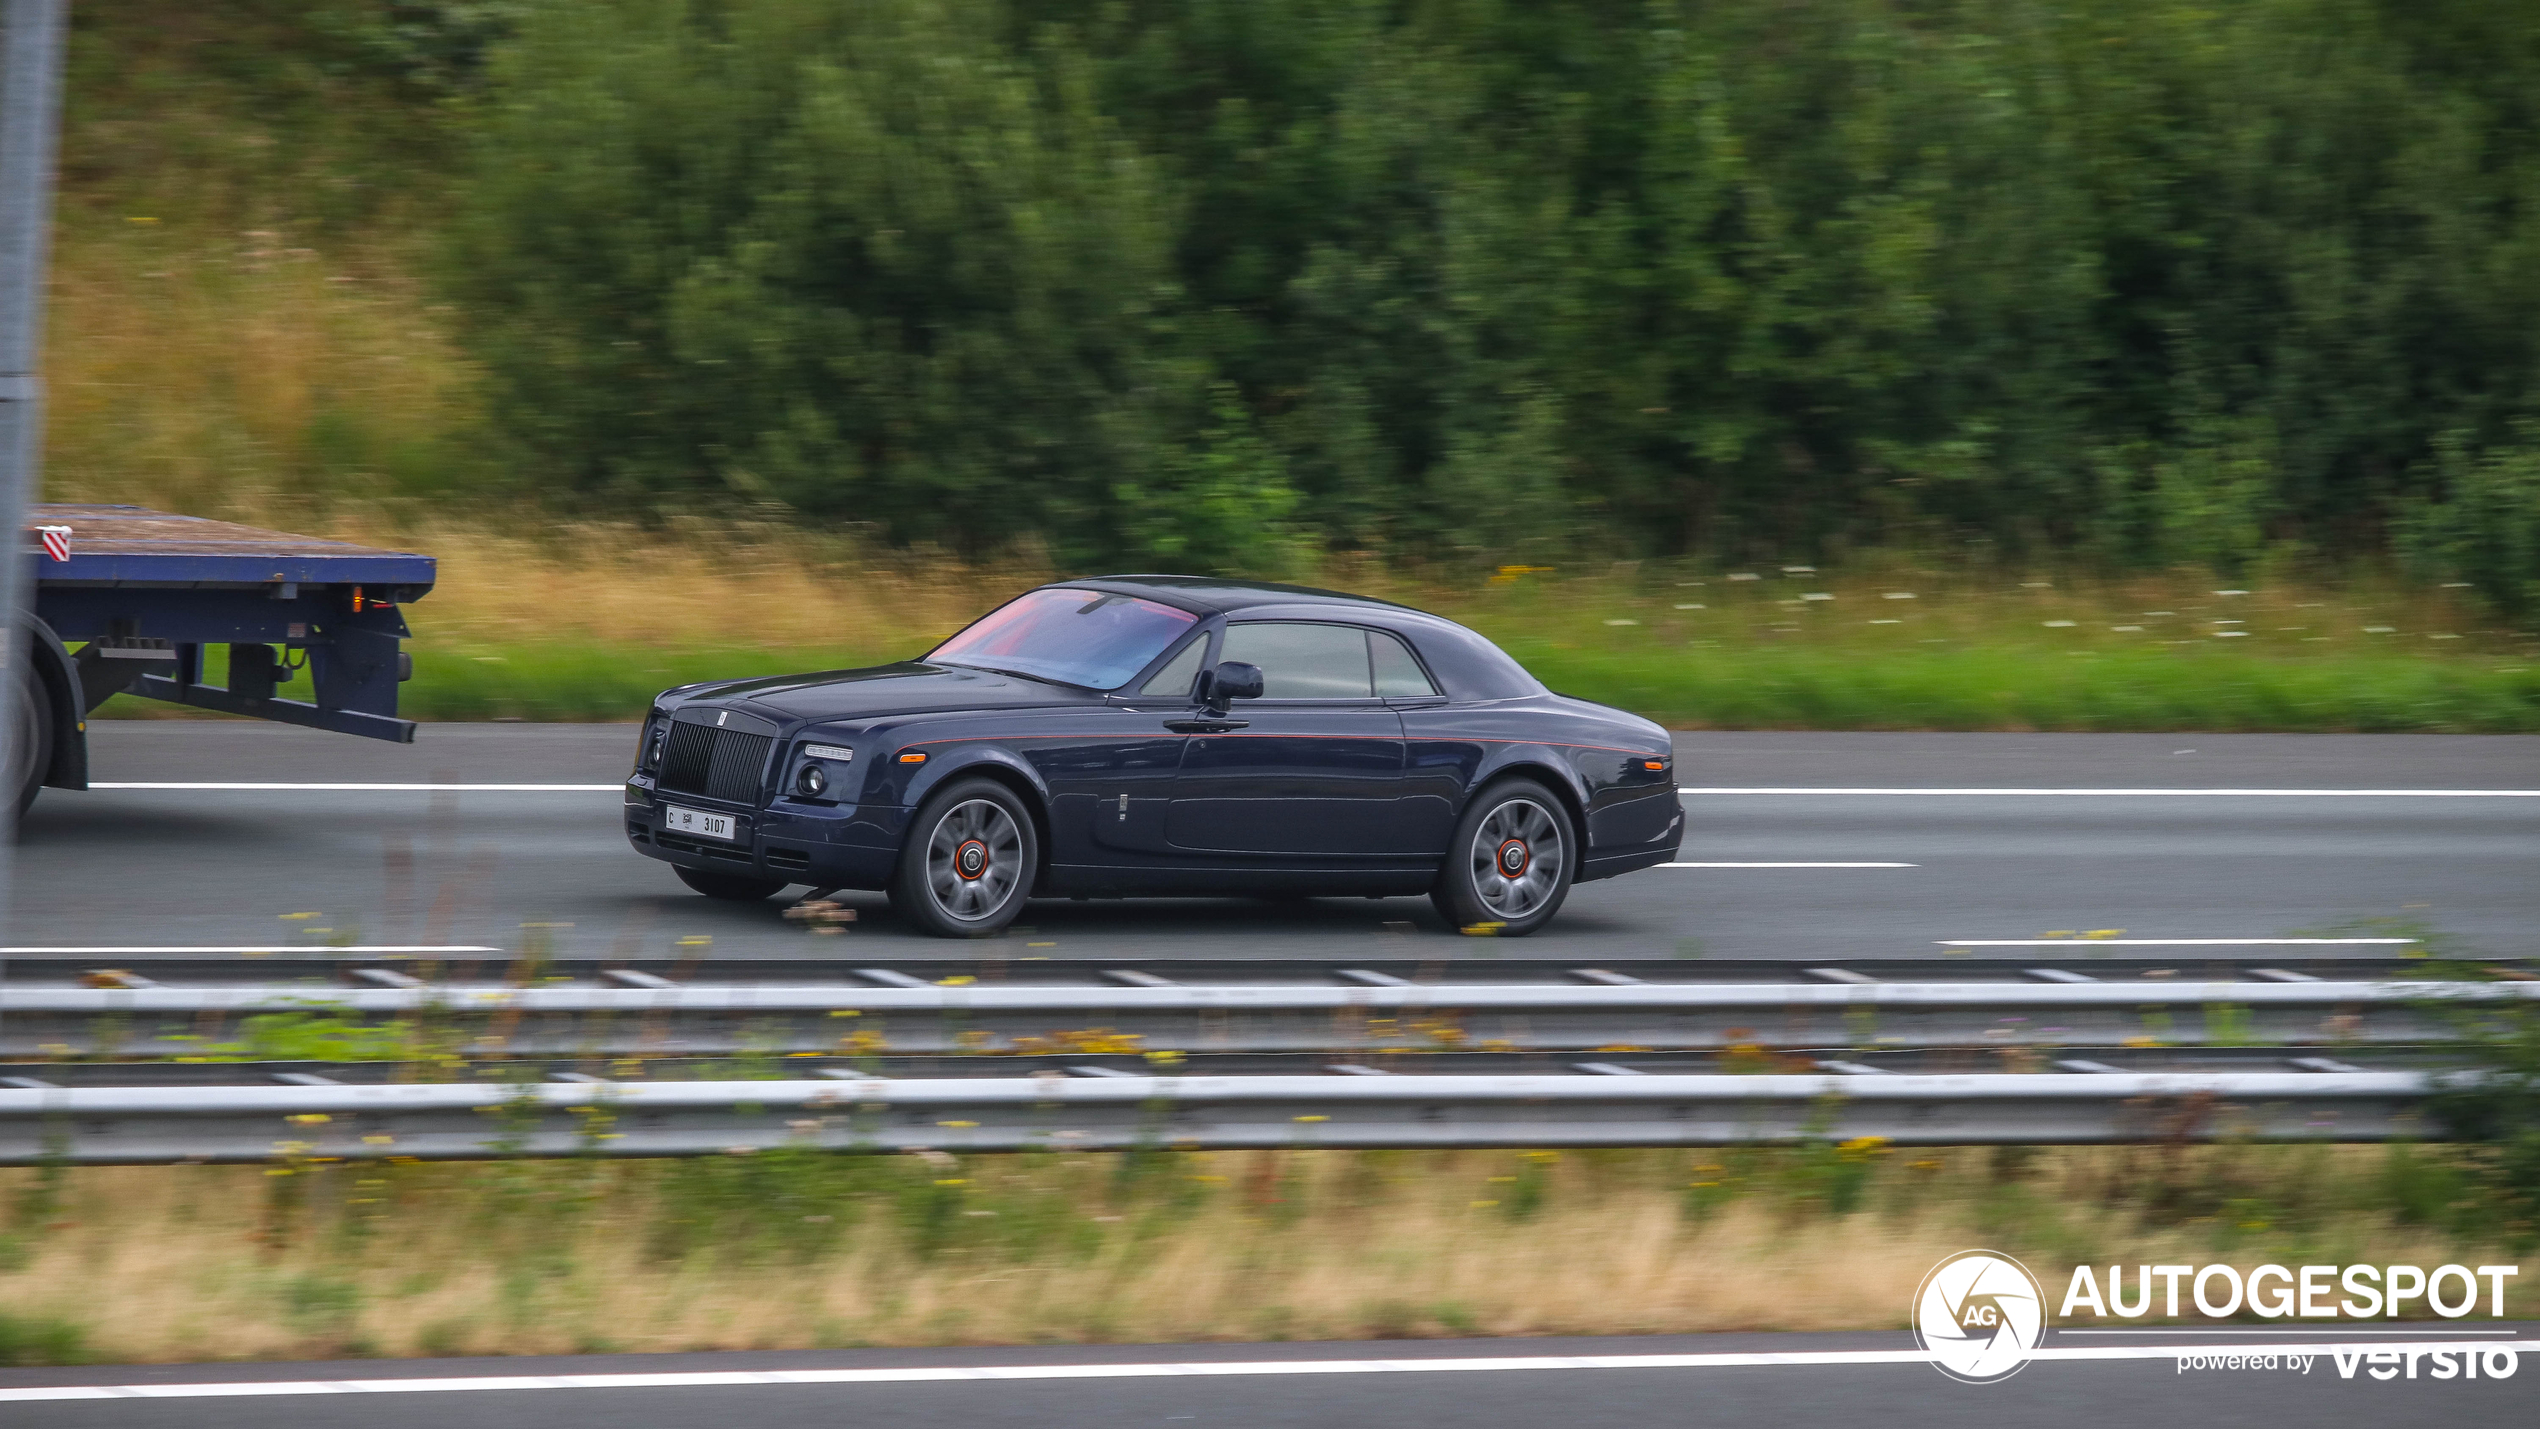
(1210,595)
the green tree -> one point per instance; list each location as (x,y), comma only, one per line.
(2160,283)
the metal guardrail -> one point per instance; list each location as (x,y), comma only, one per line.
(474,1122)
(1922,1061)
(480,1019)
(2064,959)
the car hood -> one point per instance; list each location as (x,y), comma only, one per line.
(909,687)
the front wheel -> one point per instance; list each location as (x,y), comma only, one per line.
(730,887)
(969,861)
(1510,861)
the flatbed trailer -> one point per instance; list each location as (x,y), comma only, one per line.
(128,601)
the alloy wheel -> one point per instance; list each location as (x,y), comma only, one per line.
(974,858)
(1517,859)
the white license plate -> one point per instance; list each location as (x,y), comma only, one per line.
(698,822)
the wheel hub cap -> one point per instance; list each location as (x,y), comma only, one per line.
(971,859)
(1512,858)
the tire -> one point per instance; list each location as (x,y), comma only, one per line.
(969,862)
(1514,824)
(30,717)
(730,887)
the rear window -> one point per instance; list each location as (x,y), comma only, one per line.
(1397,673)
(1077,637)
(1303,662)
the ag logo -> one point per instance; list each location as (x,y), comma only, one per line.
(1978,1315)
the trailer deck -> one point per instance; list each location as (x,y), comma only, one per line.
(129,601)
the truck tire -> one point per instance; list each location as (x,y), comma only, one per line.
(730,887)
(1510,862)
(30,737)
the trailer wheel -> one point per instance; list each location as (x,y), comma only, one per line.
(30,737)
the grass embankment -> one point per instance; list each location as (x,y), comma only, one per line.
(587,623)
(793,1250)
(237,329)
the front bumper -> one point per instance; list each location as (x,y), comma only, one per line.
(826,846)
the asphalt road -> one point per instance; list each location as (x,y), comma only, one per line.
(186,867)
(218,867)
(1385,1386)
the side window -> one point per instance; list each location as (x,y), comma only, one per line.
(1396,672)
(1175,678)
(1303,662)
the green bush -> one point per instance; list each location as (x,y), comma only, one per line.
(1162,279)
(41,1340)
(2485,528)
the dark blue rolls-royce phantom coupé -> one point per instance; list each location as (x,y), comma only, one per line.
(1146,735)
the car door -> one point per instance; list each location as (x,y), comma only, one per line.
(1317,766)
(1115,790)
(1439,758)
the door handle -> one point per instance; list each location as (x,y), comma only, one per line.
(1204,726)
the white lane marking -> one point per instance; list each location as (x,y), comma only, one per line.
(720,1379)
(2167,942)
(386,788)
(1790,865)
(2141,793)
(1791,790)
(260,949)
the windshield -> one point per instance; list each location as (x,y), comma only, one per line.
(1077,637)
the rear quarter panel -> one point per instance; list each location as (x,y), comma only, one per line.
(1592,755)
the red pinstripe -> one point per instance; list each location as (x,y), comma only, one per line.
(1168,734)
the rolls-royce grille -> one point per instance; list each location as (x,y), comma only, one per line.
(718,763)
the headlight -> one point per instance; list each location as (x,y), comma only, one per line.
(809,781)
(654,745)
(838,752)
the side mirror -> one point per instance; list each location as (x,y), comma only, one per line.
(1231,680)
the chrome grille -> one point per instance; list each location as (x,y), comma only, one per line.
(721,764)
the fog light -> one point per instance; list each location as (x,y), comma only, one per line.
(810,781)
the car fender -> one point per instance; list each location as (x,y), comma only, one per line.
(1539,761)
(943,765)
(997,762)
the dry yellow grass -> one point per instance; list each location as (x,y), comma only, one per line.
(238,373)
(196,1263)
(694,585)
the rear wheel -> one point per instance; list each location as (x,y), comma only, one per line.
(969,861)
(30,736)
(731,887)
(1510,862)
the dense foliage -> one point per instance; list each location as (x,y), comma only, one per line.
(1173,279)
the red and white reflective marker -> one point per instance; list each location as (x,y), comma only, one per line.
(57,541)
